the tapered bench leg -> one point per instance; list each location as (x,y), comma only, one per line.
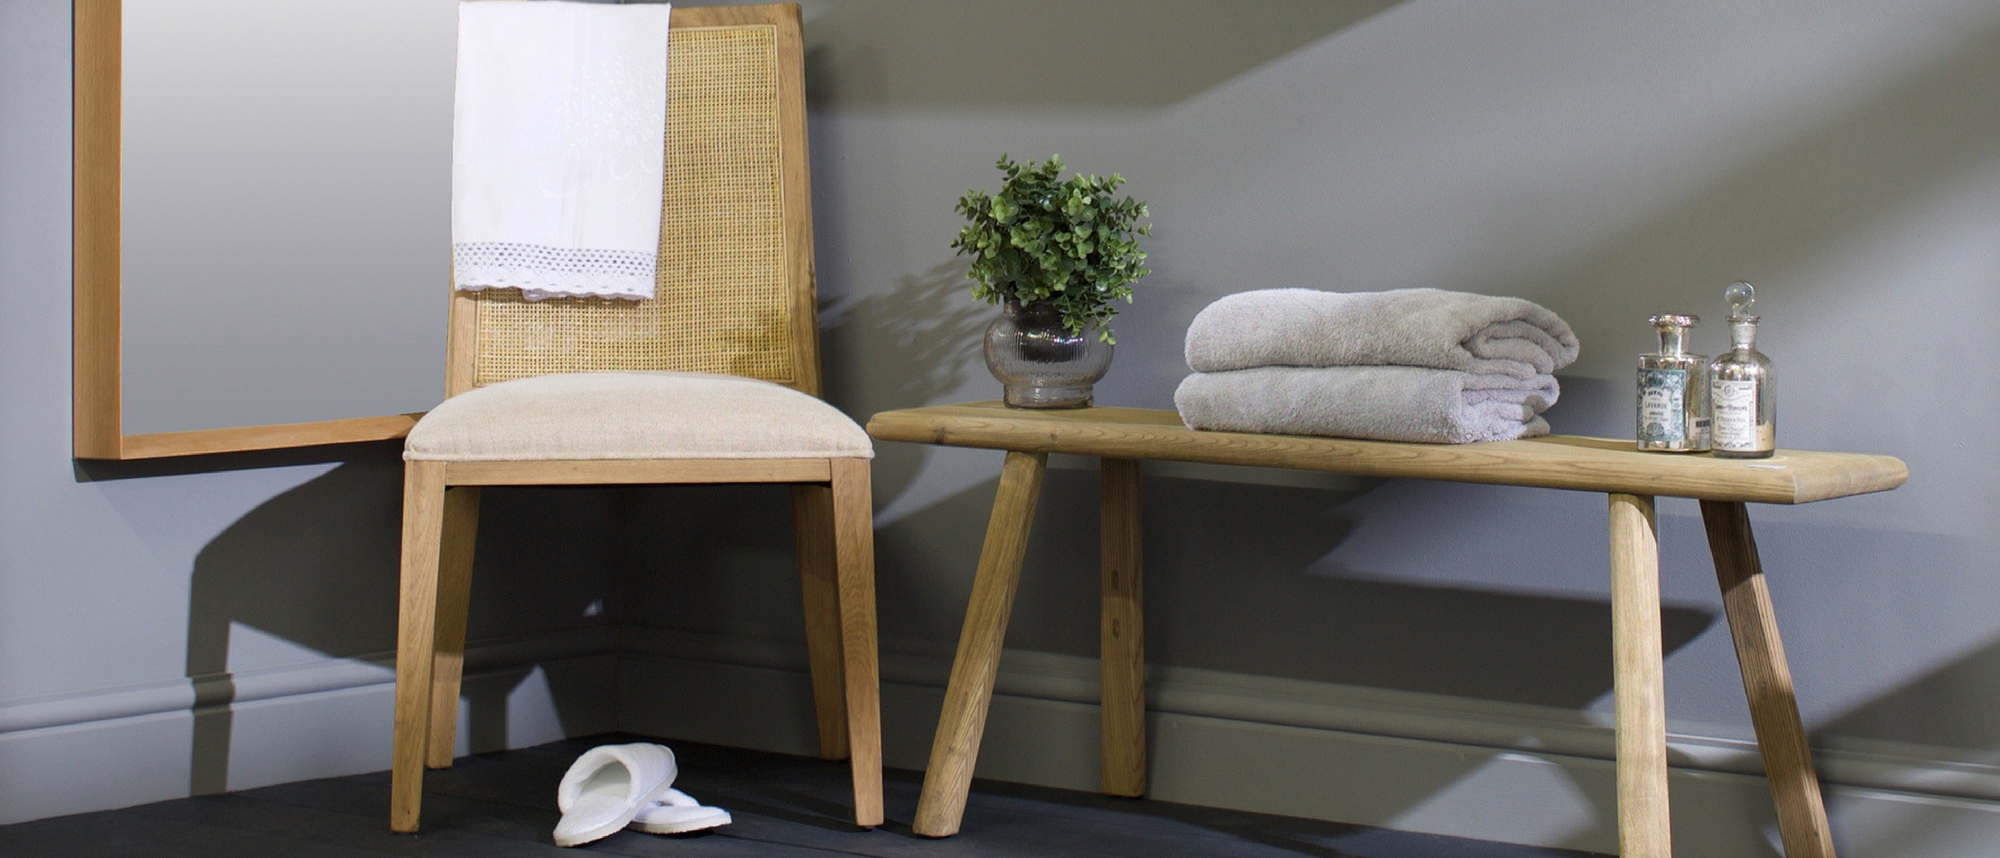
(1767,681)
(1121,632)
(1640,680)
(949,776)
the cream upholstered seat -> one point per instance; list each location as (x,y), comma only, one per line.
(715,379)
(634,415)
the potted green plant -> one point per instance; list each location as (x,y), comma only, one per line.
(1056,254)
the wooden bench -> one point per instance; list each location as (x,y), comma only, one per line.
(1123,437)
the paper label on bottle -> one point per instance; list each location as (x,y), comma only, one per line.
(1735,405)
(1663,406)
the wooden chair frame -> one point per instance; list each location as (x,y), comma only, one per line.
(831,506)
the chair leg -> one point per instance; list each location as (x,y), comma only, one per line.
(1121,632)
(423,521)
(1639,692)
(813,533)
(461,530)
(854,549)
(1767,682)
(948,778)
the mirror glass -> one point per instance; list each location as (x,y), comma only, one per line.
(286,209)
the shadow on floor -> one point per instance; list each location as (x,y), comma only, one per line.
(313,572)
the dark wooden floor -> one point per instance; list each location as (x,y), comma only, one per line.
(503,805)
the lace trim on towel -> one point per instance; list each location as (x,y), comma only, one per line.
(543,272)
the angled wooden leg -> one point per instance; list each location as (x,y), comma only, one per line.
(853,531)
(1767,681)
(1640,680)
(1121,631)
(423,522)
(812,533)
(454,596)
(963,720)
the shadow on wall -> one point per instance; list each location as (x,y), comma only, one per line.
(1793,211)
(1910,715)
(318,566)
(1906,723)
(1869,171)
(1236,583)
(913,344)
(720,559)
(710,558)
(1594,407)
(1081,52)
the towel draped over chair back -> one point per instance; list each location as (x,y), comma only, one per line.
(735,292)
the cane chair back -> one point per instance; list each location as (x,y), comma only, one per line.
(735,291)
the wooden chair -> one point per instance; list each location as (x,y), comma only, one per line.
(734,321)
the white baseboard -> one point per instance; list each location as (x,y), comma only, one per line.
(1415,762)
(110,748)
(1406,761)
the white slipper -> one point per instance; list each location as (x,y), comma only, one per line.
(609,785)
(675,812)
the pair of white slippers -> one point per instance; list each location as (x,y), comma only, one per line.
(614,787)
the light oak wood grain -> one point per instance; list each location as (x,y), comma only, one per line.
(1639,692)
(819,582)
(276,437)
(1122,436)
(1767,682)
(461,341)
(1559,462)
(96,229)
(1121,630)
(423,525)
(956,747)
(794,167)
(686,17)
(854,561)
(454,597)
(637,471)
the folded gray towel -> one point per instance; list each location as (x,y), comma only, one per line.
(1386,403)
(1407,327)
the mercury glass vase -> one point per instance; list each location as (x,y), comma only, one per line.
(1039,362)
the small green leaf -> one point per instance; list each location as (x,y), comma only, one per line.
(1041,238)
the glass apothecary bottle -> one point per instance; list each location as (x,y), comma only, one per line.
(1745,424)
(1673,390)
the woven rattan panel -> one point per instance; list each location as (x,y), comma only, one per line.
(720,303)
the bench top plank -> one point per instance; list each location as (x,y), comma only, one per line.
(1555,462)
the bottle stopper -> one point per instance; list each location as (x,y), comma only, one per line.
(1741,297)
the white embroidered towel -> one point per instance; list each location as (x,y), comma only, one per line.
(558,135)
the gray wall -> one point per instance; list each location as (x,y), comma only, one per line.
(1605,161)
(188,625)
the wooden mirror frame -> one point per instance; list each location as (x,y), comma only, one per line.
(97,391)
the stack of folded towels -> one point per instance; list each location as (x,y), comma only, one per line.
(1407,365)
